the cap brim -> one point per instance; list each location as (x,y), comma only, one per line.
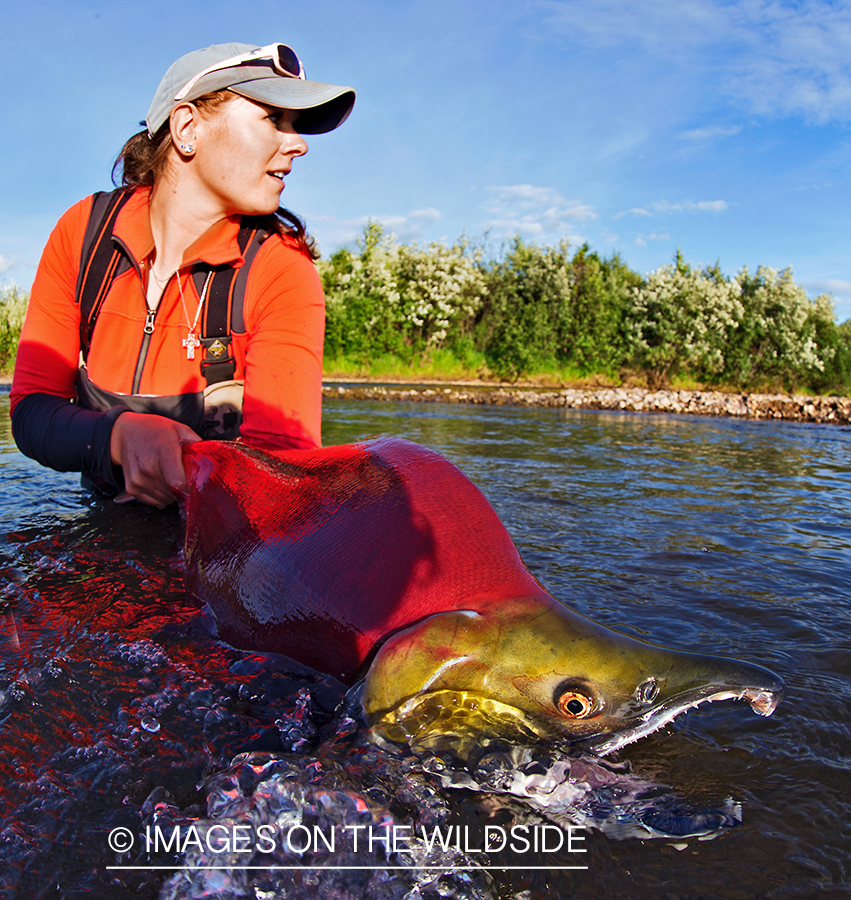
(322,106)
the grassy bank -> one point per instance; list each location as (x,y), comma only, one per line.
(446,368)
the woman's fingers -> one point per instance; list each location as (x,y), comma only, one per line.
(148,449)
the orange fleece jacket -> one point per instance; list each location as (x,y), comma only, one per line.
(279,355)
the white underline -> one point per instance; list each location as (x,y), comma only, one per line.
(349,868)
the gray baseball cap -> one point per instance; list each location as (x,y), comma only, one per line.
(252,72)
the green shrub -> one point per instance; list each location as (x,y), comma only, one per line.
(681,321)
(13,308)
(526,312)
(784,337)
(361,299)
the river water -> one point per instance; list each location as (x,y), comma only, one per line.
(119,708)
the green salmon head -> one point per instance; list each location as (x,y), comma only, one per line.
(535,669)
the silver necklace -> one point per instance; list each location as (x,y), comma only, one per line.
(191,341)
(160,282)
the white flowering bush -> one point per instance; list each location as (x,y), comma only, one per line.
(442,289)
(399,299)
(681,319)
(779,338)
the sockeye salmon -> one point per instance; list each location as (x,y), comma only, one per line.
(382,557)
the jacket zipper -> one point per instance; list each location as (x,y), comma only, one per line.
(150,315)
(143,350)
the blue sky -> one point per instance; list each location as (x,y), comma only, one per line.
(639,126)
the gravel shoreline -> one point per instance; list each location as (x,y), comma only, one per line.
(795,407)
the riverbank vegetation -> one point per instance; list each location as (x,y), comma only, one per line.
(576,317)
(13,307)
(558,315)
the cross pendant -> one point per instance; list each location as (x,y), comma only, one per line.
(191,342)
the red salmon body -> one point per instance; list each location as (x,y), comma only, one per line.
(384,552)
(320,554)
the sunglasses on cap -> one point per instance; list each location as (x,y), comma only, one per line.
(283,58)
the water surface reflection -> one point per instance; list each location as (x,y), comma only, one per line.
(722,536)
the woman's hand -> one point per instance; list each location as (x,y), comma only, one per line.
(149,450)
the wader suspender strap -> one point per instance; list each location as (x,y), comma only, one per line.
(223,310)
(100,262)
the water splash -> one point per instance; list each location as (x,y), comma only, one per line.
(344,801)
(584,791)
(327,837)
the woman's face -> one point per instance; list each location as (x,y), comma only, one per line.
(243,151)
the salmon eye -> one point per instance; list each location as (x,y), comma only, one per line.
(575,705)
(647,691)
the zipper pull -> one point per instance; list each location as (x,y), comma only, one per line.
(149,321)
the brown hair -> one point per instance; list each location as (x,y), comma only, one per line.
(143,158)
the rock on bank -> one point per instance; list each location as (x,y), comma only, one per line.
(794,407)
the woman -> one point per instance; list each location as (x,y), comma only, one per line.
(192,254)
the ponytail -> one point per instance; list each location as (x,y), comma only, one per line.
(142,159)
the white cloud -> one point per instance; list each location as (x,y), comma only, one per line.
(710,133)
(642,239)
(635,211)
(666,26)
(332,233)
(688,206)
(539,213)
(16,271)
(409,227)
(836,286)
(662,207)
(775,59)
(815,186)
